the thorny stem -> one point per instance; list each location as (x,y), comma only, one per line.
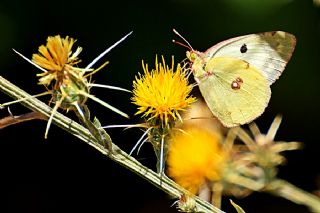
(11,120)
(119,156)
(99,134)
(276,187)
(286,190)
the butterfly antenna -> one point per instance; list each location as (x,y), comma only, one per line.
(187,45)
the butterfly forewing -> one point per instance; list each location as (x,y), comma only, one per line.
(269,52)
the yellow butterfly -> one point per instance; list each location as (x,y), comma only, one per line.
(234,76)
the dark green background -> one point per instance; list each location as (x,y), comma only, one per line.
(64,174)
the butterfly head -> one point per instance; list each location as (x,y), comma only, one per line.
(192,55)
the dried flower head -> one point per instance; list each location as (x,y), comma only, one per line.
(253,163)
(195,157)
(162,92)
(56,58)
(67,83)
(263,150)
(186,204)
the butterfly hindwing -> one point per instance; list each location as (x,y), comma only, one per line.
(235,91)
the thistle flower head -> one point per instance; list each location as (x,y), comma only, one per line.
(162,92)
(56,58)
(253,163)
(71,92)
(186,204)
(195,157)
(68,84)
(263,150)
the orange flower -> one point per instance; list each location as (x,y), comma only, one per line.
(56,58)
(195,156)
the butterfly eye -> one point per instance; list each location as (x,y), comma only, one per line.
(192,56)
(243,48)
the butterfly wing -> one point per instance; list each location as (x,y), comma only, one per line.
(235,91)
(268,52)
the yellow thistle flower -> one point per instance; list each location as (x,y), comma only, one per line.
(67,83)
(195,157)
(162,93)
(56,58)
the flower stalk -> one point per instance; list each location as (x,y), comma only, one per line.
(282,188)
(161,94)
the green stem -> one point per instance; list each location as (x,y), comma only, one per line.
(290,192)
(119,156)
(280,188)
(98,133)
